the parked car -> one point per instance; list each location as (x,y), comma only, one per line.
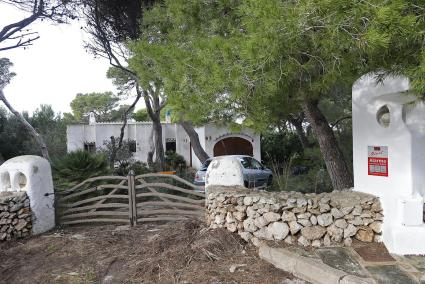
(255,174)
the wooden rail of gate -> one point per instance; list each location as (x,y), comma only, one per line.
(162,201)
(131,199)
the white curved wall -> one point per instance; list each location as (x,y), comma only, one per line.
(33,175)
(224,171)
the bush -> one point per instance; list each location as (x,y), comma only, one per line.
(279,146)
(139,168)
(316,179)
(78,166)
(174,161)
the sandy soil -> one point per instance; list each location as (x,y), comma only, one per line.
(184,252)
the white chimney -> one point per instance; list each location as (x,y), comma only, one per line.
(92,119)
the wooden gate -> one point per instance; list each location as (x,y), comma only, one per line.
(129,200)
(162,197)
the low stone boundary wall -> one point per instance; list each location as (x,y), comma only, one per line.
(306,219)
(15,215)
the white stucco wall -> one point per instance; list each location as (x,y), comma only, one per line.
(77,134)
(402,191)
(168,131)
(182,143)
(143,131)
(104,131)
(35,173)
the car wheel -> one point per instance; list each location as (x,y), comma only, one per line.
(270,181)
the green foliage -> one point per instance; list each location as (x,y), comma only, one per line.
(174,161)
(123,155)
(52,128)
(118,114)
(220,60)
(15,139)
(123,159)
(279,146)
(259,61)
(78,166)
(141,115)
(139,168)
(5,74)
(100,104)
(315,179)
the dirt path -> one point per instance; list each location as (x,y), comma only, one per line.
(178,253)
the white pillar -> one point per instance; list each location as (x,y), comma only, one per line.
(33,175)
(389,157)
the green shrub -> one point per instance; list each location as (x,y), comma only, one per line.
(174,161)
(139,168)
(316,179)
(78,166)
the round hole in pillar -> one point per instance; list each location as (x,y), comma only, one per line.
(383,116)
(21,181)
(5,181)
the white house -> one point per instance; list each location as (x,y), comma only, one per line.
(216,140)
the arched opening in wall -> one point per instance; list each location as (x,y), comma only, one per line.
(20,181)
(383,116)
(233,146)
(5,181)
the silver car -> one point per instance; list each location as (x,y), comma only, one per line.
(255,174)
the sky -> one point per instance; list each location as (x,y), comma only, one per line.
(55,68)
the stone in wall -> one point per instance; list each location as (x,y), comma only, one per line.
(15,215)
(306,219)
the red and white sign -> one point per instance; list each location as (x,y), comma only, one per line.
(377,160)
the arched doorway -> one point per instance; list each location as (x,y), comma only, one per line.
(233,146)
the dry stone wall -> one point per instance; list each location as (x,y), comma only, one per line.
(15,215)
(293,217)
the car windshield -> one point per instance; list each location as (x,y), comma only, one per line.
(246,162)
(256,164)
(205,165)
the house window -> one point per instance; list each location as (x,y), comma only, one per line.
(132,146)
(170,145)
(90,147)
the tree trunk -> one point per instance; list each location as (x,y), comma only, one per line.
(154,111)
(159,147)
(334,159)
(113,153)
(125,117)
(151,150)
(298,124)
(39,140)
(194,140)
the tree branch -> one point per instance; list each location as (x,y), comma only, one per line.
(38,9)
(28,127)
(125,116)
(339,120)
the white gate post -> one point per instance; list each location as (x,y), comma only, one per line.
(33,175)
